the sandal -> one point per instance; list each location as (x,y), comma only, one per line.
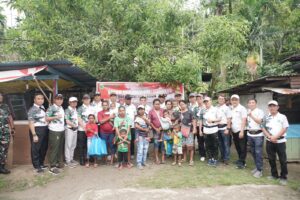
(87,165)
(179,164)
(95,165)
(174,163)
(157,162)
(191,163)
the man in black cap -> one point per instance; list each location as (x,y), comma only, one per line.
(178,97)
(131,113)
(56,117)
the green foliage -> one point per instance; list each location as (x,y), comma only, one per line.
(151,40)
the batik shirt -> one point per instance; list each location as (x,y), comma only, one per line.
(37,115)
(71,115)
(56,124)
(4,122)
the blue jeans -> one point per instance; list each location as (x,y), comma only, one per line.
(109,139)
(256,145)
(142,150)
(224,145)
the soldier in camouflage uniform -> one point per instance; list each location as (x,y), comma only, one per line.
(38,133)
(56,117)
(6,128)
(83,112)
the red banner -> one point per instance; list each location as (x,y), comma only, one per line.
(151,90)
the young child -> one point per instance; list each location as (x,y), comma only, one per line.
(122,143)
(177,145)
(91,129)
(167,132)
(142,137)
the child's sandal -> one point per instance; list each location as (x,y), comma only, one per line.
(87,165)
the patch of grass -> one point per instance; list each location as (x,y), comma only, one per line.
(202,175)
(21,184)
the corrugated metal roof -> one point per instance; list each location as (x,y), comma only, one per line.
(286,91)
(62,66)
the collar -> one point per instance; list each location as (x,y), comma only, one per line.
(42,106)
(70,108)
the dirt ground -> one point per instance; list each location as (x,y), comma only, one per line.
(106,182)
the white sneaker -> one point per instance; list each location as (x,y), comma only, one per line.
(202,159)
(109,157)
(253,171)
(257,174)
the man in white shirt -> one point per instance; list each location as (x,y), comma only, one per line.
(97,104)
(224,127)
(143,102)
(113,99)
(238,125)
(55,115)
(200,139)
(162,99)
(131,113)
(192,101)
(275,126)
(210,118)
(255,136)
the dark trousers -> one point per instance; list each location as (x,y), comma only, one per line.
(240,146)
(123,157)
(56,147)
(224,144)
(212,145)
(200,140)
(256,145)
(280,150)
(82,145)
(132,131)
(39,149)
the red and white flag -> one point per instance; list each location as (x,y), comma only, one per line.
(10,75)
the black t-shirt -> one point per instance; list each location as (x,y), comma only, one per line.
(187,118)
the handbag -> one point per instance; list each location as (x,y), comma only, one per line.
(165,124)
(97,147)
(185,130)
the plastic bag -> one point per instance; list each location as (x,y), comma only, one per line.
(97,147)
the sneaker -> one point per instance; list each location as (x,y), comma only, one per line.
(226,162)
(202,159)
(214,163)
(253,171)
(283,181)
(54,171)
(44,167)
(39,170)
(272,178)
(109,157)
(74,162)
(209,162)
(145,165)
(70,165)
(258,174)
(140,167)
(241,166)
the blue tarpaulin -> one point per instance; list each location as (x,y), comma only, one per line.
(293,131)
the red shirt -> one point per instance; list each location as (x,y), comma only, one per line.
(93,127)
(154,117)
(106,127)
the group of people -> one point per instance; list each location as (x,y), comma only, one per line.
(172,125)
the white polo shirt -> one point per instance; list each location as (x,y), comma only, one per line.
(274,124)
(252,125)
(97,106)
(238,113)
(131,113)
(225,113)
(210,114)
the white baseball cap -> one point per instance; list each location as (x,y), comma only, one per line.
(206,99)
(71,99)
(273,102)
(235,96)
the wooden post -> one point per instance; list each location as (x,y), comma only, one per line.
(55,87)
